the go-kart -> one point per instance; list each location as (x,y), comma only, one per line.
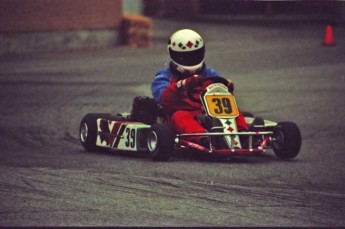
(145,129)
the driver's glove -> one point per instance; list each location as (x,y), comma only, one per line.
(189,82)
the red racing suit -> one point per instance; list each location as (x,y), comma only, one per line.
(180,110)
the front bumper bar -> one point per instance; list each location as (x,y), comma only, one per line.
(181,141)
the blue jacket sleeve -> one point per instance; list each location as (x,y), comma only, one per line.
(210,72)
(159,83)
(162,80)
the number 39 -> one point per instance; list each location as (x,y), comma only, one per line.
(222,105)
(130,139)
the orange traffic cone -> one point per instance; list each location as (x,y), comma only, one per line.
(328,40)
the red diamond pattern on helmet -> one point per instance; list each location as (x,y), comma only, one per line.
(189,44)
(230,129)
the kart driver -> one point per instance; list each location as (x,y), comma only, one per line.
(186,49)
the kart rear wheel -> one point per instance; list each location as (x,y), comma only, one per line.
(286,140)
(88,132)
(160,142)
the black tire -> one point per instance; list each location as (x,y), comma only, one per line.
(160,142)
(286,140)
(88,131)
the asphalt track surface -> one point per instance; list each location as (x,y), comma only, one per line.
(281,72)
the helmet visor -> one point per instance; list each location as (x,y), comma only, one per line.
(191,58)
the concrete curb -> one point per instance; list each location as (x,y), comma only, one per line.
(17,43)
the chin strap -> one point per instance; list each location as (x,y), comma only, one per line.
(182,73)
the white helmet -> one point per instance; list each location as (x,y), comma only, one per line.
(187,50)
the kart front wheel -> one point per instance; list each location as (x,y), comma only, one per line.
(286,140)
(160,142)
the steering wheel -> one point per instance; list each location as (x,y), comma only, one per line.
(191,89)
